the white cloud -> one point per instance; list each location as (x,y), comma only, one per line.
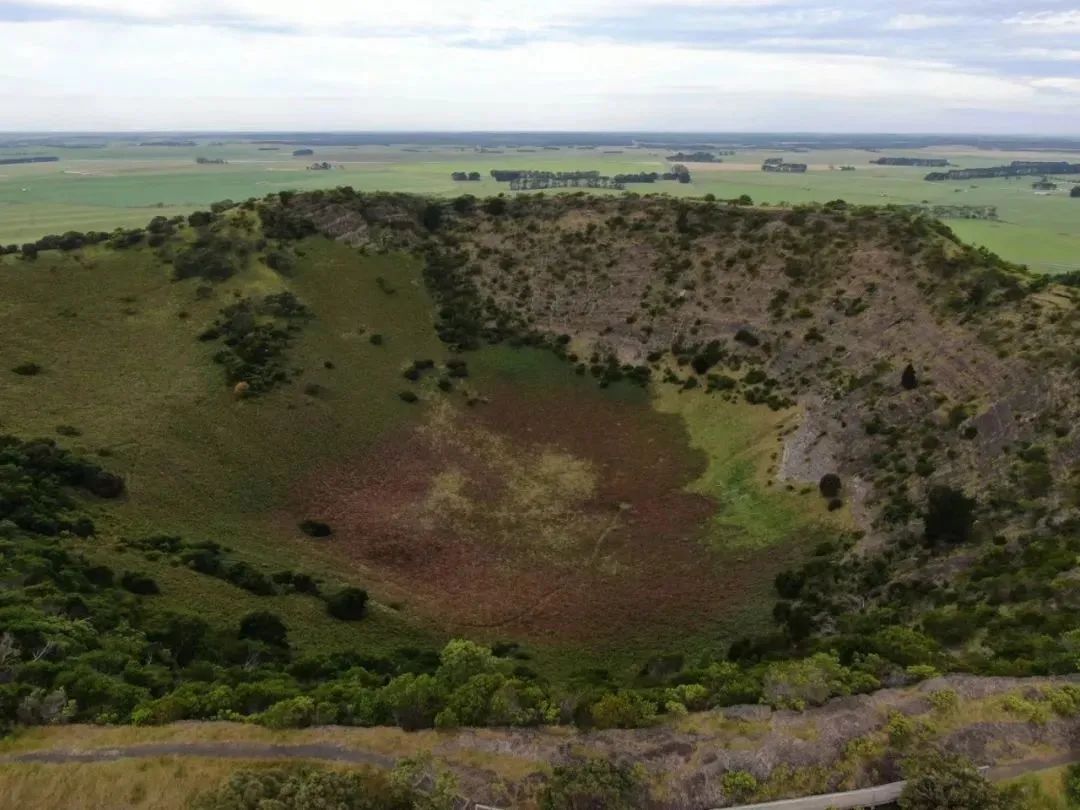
(480,17)
(1050,54)
(332,64)
(1048,22)
(218,78)
(1066,83)
(920,22)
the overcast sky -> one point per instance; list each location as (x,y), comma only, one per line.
(993,66)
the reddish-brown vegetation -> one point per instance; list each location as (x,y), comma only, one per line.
(613,551)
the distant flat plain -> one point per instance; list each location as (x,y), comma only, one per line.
(121,183)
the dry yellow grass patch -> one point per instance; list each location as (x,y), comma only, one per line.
(162,784)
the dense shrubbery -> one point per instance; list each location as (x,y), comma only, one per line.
(71,240)
(284,222)
(208,258)
(256,334)
(594,783)
(939,781)
(35,479)
(308,788)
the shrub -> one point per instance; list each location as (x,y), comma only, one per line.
(829,485)
(209,261)
(348,604)
(297,712)
(623,710)
(307,788)
(950,516)
(27,369)
(944,782)
(747,338)
(139,583)
(900,728)
(594,783)
(739,786)
(908,380)
(315,528)
(408,396)
(1072,773)
(264,626)
(810,681)
(280,261)
(431,216)
(104,484)
(944,700)
(789,584)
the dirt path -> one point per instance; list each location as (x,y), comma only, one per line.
(1002,772)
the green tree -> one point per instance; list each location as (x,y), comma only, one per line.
(414,700)
(944,782)
(461,659)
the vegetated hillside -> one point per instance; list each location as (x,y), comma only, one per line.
(290,430)
(938,383)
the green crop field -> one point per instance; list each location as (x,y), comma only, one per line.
(122,184)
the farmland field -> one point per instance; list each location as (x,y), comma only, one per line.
(123,184)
